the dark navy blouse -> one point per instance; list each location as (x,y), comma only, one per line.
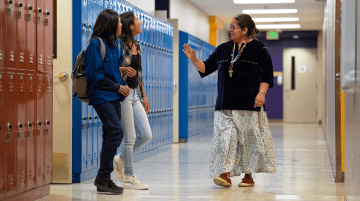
(252,68)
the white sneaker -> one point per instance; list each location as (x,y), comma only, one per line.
(118,164)
(131,182)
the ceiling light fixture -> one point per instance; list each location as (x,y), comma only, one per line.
(278,26)
(262,1)
(277,19)
(270,11)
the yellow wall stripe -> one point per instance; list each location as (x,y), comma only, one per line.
(342,102)
(213,29)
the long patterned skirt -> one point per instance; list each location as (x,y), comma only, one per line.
(242,143)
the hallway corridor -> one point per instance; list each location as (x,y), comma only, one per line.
(182,173)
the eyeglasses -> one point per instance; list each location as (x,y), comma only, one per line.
(231,27)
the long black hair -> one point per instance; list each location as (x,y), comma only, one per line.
(127,19)
(106,26)
(243,21)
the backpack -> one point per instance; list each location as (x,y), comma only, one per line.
(81,87)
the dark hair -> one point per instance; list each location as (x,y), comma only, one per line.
(127,19)
(106,26)
(243,21)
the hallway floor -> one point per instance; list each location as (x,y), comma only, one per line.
(182,173)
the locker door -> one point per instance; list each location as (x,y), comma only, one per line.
(30,17)
(20,35)
(89,143)
(20,129)
(30,131)
(10,55)
(11,121)
(95,140)
(40,139)
(100,141)
(48,31)
(48,131)
(40,34)
(84,18)
(2,33)
(84,130)
(3,130)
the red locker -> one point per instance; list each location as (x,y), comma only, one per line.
(2,33)
(10,54)
(48,131)
(30,16)
(11,132)
(48,25)
(40,139)
(20,34)
(20,129)
(40,34)
(30,131)
(2,135)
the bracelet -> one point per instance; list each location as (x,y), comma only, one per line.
(262,91)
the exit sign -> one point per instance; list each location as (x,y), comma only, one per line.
(272,35)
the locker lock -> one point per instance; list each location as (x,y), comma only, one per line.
(95,117)
(30,7)
(84,118)
(10,2)
(89,26)
(39,10)
(29,124)
(39,123)
(90,118)
(20,125)
(47,122)
(84,24)
(9,126)
(47,13)
(20,5)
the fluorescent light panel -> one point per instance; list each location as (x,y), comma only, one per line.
(278,26)
(262,1)
(277,19)
(270,11)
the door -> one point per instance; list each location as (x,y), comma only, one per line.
(300,85)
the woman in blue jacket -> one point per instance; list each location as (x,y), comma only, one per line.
(106,91)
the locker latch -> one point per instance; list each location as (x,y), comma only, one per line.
(8,137)
(29,15)
(83,126)
(38,132)
(19,135)
(28,134)
(47,13)
(47,131)
(8,11)
(39,17)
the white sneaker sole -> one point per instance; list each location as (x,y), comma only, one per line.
(131,186)
(245,185)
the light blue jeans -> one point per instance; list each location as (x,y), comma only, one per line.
(133,117)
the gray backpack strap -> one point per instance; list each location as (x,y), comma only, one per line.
(103,48)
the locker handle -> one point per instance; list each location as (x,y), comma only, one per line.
(84,118)
(10,2)
(39,10)
(90,118)
(84,24)
(89,26)
(30,7)
(30,124)
(47,13)
(39,123)
(9,126)
(63,75)
(47,122)
(20,5)
(20,125)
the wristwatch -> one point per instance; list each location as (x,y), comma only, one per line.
(262,92)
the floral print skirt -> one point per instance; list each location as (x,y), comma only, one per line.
(242,143)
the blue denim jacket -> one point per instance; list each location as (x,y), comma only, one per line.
(103,75)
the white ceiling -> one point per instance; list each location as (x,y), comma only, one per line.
(310,12)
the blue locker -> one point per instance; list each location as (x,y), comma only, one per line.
(84,131)
(89,143)
(95,139)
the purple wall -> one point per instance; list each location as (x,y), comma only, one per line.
(307,39)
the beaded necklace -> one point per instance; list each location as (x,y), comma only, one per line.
(237,57)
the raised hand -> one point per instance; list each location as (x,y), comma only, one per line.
(190,53)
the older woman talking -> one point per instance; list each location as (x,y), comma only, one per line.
(242,142)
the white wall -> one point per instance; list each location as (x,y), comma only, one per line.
(192,20)
(222,36)
(145,5)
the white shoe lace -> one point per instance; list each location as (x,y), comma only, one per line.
(136,180)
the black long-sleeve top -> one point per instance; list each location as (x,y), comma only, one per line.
(252,68)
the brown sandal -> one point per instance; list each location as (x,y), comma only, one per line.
(223,180)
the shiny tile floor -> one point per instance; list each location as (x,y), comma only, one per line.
(182,173)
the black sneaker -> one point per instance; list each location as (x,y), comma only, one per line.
(107,185)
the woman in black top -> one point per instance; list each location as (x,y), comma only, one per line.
(135,106)
(242,141)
